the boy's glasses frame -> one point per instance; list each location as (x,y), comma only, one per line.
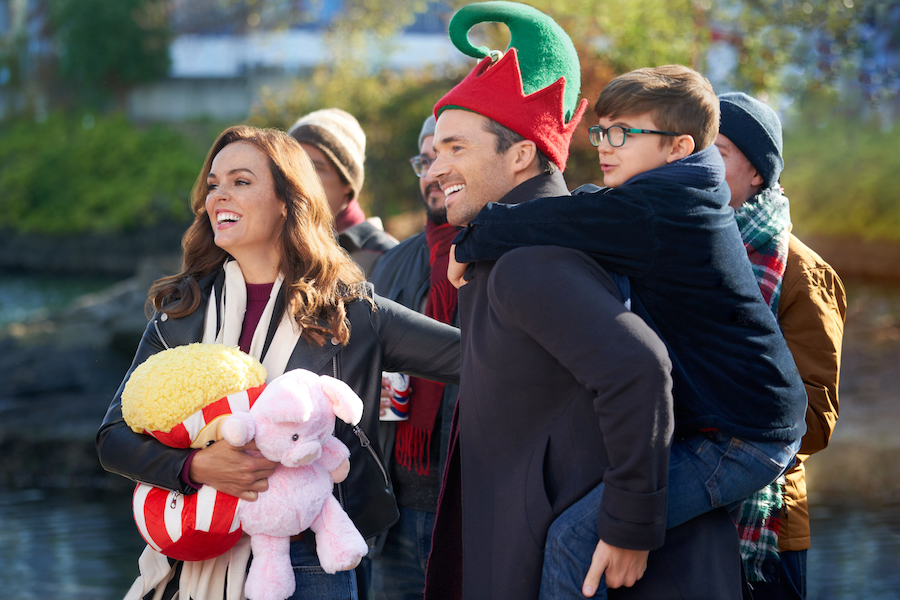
(420,164)
(597,134)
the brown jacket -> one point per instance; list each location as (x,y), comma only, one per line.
(811,312)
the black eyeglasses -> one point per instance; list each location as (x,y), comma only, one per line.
(616,135)
(421,164)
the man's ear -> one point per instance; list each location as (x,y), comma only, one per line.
(523,155)
(682,146)
(756,180)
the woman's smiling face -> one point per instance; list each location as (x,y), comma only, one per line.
(245,213)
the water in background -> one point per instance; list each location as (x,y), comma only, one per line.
(73,545)
(80,545)
(25,296)
(855,552)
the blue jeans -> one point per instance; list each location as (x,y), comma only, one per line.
(315,584)
(708,472)
(570,546)
(399,572)
(704,473)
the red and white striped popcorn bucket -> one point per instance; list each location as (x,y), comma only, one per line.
(195,526)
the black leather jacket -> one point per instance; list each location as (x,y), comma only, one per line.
(387,337)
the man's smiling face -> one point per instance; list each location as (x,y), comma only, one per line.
(469,169)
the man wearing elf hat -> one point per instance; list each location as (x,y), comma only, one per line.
(562,387)
(545,334)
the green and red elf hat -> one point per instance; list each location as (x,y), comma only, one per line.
(533,88)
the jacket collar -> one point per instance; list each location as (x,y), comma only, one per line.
(539,186)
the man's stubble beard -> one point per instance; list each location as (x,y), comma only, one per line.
(438,216)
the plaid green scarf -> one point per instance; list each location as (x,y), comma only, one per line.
(765,225)
(758,528)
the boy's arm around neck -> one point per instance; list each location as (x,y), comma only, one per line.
(613,226)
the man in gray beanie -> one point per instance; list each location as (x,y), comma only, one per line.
(336,145)
(808,298)
(415,275)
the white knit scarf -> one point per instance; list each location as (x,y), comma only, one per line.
(223,576)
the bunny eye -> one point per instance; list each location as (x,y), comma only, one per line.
(296,437)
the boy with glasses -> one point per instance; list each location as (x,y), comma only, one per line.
(665,223)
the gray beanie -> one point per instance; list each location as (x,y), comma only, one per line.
(338,135)
(427,129)
(756,131)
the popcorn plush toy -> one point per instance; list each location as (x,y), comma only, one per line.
(292,423)
(182,396)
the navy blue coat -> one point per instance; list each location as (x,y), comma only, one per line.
(671,231)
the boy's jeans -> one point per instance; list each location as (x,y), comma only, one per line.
(705,472)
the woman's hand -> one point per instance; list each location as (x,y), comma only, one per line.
(455,270)
(238,471)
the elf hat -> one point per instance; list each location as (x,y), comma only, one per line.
(533,88)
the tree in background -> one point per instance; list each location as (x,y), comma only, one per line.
(107,46)
(774,48)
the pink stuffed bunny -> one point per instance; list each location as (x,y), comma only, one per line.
(292,423)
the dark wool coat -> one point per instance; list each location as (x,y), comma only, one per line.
(561,388)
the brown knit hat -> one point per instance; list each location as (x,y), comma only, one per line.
(338,135)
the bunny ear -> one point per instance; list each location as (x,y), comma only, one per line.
(347,405)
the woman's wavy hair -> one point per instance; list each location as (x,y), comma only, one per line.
(319,276)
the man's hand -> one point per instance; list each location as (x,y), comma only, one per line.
(622,568)
(240,472)
(455,270)
(386,396)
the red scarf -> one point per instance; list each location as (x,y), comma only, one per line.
(413,441)
(352,215)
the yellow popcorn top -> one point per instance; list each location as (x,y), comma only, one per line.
(174,384)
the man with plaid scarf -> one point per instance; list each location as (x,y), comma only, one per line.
(808,298)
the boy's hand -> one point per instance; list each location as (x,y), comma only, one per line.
(455,270)
(622,568)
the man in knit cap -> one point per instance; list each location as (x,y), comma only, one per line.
(336,144)
(539,422)
(415,275)
(808,298)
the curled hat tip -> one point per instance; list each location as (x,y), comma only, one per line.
(513,14)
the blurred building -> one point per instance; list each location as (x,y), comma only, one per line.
(224,54)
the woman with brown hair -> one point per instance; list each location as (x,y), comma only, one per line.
(263,271)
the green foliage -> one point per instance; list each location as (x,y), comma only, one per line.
(111,45)
(390,106)
(81,174)
(840,174)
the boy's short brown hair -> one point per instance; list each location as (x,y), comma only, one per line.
(678,99)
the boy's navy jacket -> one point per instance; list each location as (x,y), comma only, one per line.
(672,232)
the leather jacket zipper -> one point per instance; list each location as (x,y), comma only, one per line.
(158,332)
(363,440)
(365,443)
(340,486)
